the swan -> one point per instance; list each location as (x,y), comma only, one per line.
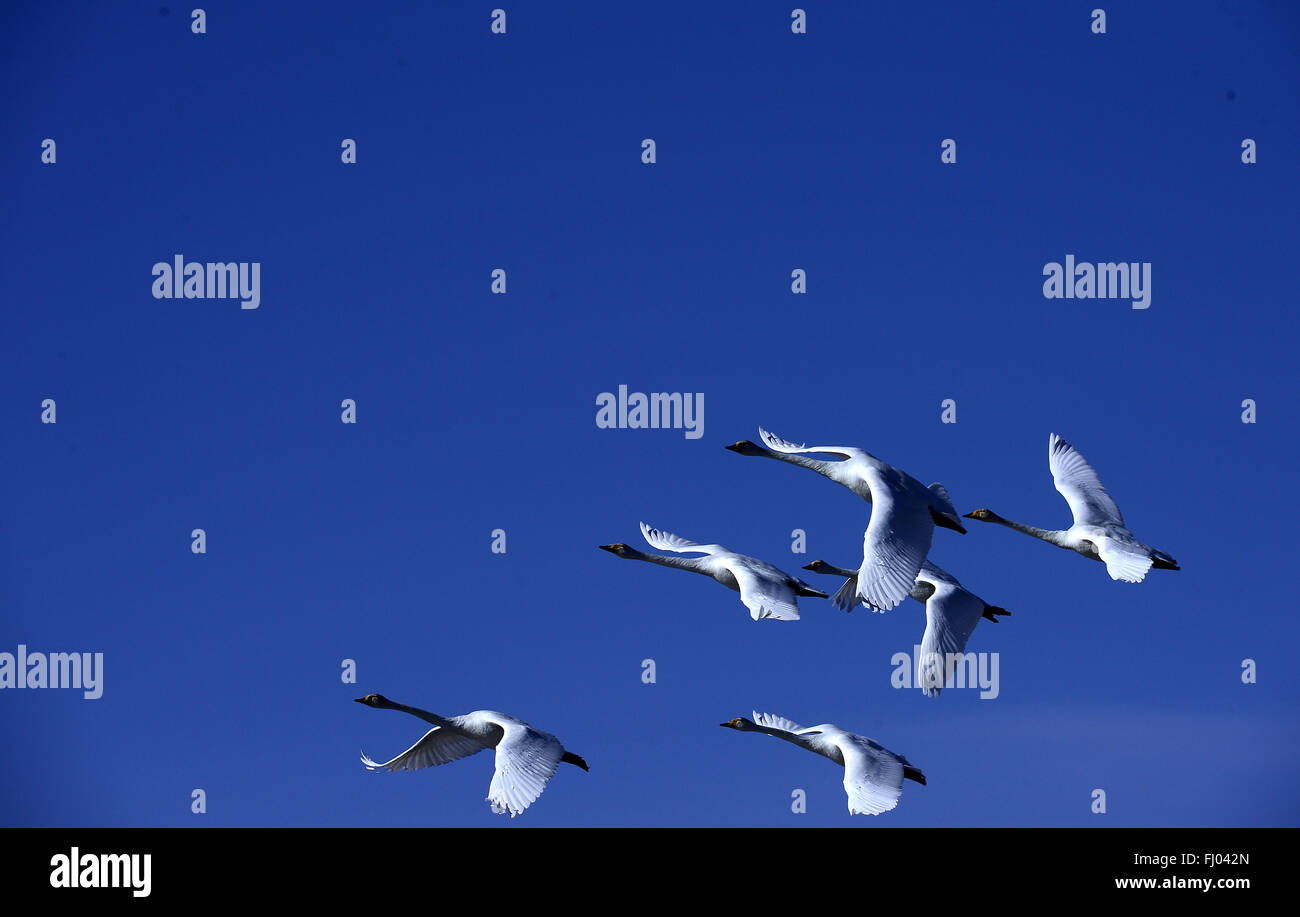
(1098,531)
(765,590)
(903,515)
(951,613)
(526,757)
(873,775)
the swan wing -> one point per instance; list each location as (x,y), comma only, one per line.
(940,493)
(526,760)
(846,597)
(437,746)
(936,575)
(1079,484)
(777,444)
(893,549)
(764,596)
(1124,560)
(667,541)
(873,775)
(776,722)
(951,613)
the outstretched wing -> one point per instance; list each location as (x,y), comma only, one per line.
(895,545)
(940,494)
(764,596)
(934,574)
(667,541)
(1124,561)
(526,760)
(776,722)
(951,613)
(437,746)
(777,444)
(846,597)
(873,775)
(1079,484)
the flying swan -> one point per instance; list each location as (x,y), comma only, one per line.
(873,775)
(1098,531)
(526,757)
(903,515)
(766,591)
(951,613)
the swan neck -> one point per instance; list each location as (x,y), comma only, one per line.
(1049,535)
(425,715)
(780,734)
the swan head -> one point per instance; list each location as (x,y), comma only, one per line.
(740,723)
(374,700)
(984,515)
(745,447)
(620,549)
(818,566)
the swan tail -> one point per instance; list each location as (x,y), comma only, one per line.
(1162,561)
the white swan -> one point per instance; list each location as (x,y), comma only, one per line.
(766,591)
(873,775)
(1098,531)
(526,757)
(903,515)
(951,613)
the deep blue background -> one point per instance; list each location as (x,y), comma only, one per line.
(476,411)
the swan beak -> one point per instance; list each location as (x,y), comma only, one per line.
(607,547)
(360,700)
(725,725)
(739,447)
(970,515)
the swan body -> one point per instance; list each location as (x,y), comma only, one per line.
(1099,531)
(765,590)
(873,775)
(903,515)
(526,758)
(951,613)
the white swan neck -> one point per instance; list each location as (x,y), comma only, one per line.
(428,717)
(681,563)
(1049,535)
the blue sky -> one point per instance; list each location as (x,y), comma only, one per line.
(476,411)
